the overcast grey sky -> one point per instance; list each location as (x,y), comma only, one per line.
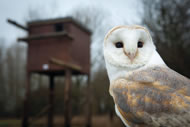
(18,10)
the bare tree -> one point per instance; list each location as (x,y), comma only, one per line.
(169,22)
(15,73)
(99,21)
(2,76)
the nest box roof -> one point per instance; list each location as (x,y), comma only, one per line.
(58,20)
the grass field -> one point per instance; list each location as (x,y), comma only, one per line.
(77,121)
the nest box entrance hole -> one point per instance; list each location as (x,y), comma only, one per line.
(59,27)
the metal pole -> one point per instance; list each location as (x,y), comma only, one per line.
(51,101)
(25,118)
(67,93)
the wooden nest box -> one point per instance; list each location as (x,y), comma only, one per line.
(57,47)
(56,44)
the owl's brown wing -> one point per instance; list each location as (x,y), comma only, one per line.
(155,97)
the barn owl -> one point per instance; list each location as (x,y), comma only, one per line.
(146,92)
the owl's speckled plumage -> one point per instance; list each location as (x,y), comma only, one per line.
(146,92)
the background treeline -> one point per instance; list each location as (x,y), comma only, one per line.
(169,23)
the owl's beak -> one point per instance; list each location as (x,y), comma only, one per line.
(130,55)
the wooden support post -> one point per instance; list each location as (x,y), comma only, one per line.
(51,101)
(25,119)
(88,109)
(67,103)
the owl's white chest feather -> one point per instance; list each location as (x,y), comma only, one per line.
(122,72)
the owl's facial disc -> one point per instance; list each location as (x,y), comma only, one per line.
(128,46)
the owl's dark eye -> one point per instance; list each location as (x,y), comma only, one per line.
(119,44)
(140,44)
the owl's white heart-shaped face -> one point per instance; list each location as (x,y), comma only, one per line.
(128,46)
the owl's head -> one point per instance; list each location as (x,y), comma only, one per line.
(128,47)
